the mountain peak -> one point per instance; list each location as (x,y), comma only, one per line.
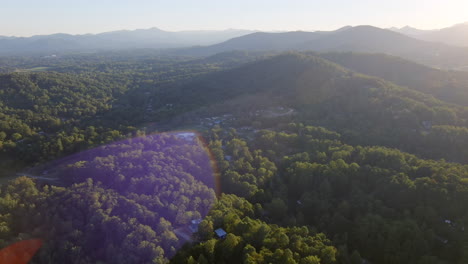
(464,24)
(343,28)
(156,29)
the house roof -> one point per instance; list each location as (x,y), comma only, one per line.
(196,221)
(220,232)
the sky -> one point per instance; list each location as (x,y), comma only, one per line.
(39,17)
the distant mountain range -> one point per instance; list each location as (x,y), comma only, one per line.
(116,40)
(410,31)
(456,35)
(421,46)
(358,39)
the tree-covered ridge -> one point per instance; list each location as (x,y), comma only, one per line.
(366,110)
(84,223)
(61,95)
(168,174)
(253,241)
(45,115)
(287,74)
(84,100)
(389,206)
(137,197)
(450,86)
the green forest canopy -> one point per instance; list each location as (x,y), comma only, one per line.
(356,168)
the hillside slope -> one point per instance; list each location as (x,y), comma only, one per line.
(450,86)
(366,110)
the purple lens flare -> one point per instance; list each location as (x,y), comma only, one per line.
(173,175)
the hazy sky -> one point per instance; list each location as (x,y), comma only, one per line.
(32,17)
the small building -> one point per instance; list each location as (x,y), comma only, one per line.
(194,225)
(427,125)
(220,233)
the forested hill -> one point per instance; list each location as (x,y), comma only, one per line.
(287,75)
(359,39)
(367,110)
(262,41)
(298,159)
(45,115)
(37,106)
(450,86)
